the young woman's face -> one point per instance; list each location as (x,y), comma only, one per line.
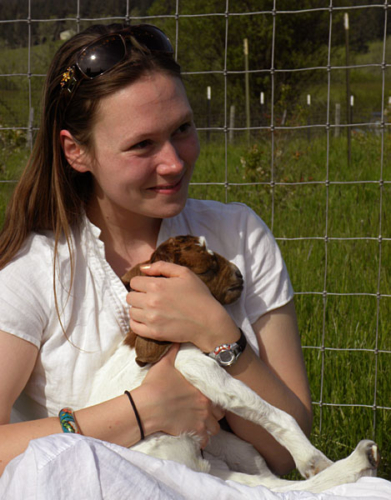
(145,148)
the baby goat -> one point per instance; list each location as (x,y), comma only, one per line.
(223,279)
(245,463)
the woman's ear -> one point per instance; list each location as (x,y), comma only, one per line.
(74,153)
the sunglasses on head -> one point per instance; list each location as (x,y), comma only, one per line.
(107,51)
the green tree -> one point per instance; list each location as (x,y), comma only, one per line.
(204,41)
(296,38)
(15,33)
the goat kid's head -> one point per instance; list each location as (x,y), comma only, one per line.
(222,277)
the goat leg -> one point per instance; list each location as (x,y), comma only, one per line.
(209,378)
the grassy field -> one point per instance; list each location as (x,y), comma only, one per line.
(346,332)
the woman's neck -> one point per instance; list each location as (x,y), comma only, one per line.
(128,241)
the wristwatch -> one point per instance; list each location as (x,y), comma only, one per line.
(228,354)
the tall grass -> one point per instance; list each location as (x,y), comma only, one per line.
(328,234)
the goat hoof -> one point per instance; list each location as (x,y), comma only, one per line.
(372,452)
(367,457)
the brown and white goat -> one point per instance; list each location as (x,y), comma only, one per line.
(246,465)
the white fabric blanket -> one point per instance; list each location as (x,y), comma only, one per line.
(70,466)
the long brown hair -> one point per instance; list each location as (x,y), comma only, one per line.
(50,194)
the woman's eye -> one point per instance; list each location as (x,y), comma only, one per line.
(142,144)
(184,128)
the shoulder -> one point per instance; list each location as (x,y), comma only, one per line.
(34,261)
(35,251)
(216,207)
(228,215)
(26,288)
(231,229)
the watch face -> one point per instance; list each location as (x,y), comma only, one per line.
(226,357)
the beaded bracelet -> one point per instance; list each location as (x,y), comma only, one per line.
(136,415)
(67,421)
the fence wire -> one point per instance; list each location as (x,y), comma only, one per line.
(271,125)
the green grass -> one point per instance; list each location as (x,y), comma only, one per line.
(353,329)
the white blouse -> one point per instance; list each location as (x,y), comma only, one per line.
(94,313)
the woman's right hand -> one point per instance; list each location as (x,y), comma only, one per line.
(177,407)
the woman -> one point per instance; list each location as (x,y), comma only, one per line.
(106,183)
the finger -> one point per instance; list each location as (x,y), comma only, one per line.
(143,330)
(152,283)
(137,314)
(204,441)
(218,412)
(161,268)
(135,299)
(205,438)
(170,356)
(212,427)
(141,284)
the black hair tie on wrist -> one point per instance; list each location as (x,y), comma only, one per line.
(136,415)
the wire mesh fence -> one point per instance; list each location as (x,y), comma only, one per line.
(300,136)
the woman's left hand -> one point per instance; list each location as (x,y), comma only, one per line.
(179,308)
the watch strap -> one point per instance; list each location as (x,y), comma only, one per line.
(242,342)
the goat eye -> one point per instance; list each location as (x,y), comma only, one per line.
(210,268)
(206,267)
(204,273)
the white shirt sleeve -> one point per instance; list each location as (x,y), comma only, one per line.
(25,290)
(267,281)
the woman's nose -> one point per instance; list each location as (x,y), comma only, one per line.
(169,160)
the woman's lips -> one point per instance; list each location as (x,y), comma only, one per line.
(167,188)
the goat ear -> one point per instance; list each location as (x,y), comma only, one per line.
(135,271)
(149,350)
(130,338)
